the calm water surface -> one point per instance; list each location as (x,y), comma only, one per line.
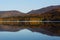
(25,34)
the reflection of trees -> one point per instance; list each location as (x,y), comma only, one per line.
(51,30)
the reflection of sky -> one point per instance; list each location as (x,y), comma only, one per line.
(25,35)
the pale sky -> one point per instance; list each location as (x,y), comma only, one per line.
(26,5)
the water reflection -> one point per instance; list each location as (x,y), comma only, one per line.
(30,31)
(11,32)
(25,35)
(47,28)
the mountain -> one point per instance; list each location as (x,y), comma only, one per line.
(33,12)
(43,10)
(11,13)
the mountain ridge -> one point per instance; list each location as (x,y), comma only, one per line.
(45,9)
(38,11)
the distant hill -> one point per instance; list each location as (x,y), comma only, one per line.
(48,13)
(43,10)
(11,13)
(33,12)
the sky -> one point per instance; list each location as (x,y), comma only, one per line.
(26,5)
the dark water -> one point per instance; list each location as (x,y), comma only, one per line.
(14,33)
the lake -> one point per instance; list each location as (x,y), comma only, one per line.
(8,32)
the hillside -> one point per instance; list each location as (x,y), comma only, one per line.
(11,13)
(43,10)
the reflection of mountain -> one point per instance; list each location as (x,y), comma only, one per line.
(31,28)
(8,28)
(45,31)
